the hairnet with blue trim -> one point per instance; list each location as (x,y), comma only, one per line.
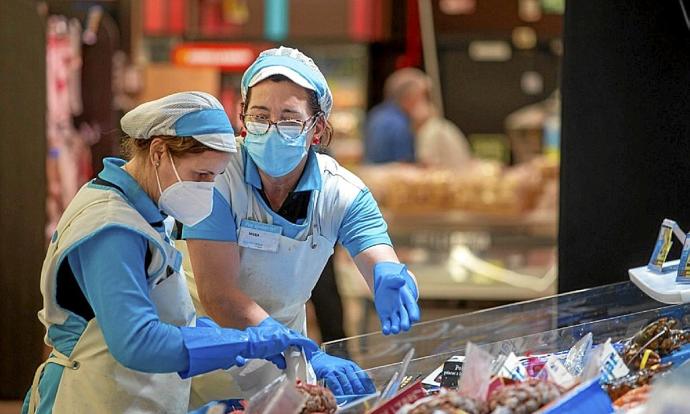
(185,114)
(293,64)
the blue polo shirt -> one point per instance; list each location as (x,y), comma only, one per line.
(363,225)
(109,269)
(388,135)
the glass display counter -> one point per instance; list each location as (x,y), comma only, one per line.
(466,256)
(543,325)
(616,328)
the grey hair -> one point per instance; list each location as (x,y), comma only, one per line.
(400,82)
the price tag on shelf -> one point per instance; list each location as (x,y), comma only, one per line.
(663,244)
(683,275)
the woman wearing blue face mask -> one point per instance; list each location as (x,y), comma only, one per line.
(117,310)
(280,210)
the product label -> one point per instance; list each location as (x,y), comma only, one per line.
(513,369)
(557,373)
(612,365)
(663,245)
(433,380)
(683,275)
(452,371)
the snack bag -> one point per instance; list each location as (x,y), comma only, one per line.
(556,372)
(578,355)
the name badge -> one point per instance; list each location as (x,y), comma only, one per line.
(259,236)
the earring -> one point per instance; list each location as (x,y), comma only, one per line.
(243,133)
(316,140)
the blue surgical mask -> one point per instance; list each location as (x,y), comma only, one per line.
(275,155)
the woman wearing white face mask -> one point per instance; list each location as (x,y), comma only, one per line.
(116,307)
(283,207)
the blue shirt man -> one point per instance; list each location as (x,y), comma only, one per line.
(388,135)
(389,132)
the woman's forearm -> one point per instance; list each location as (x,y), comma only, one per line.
(366,260)
(216,267)
(232,309)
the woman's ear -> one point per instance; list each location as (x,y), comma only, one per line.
(157,151)
(319,129)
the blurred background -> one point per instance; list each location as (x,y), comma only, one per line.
(471,194)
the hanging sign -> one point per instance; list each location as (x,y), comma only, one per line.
(232,57)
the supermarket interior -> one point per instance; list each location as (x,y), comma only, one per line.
(353,206)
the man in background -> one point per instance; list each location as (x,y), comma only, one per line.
(407,127)
(389,134)
(439,142)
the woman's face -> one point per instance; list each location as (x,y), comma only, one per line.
(201,167)
(283,100)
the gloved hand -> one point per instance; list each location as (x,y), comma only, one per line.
(205,322)
(342,376)
(279,359)
(395,297)
(211,347)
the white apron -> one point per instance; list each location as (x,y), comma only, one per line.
(93,381)
(280,282)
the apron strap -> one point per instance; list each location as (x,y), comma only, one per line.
(315,222)
(56,358)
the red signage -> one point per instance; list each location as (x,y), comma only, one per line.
(231,57)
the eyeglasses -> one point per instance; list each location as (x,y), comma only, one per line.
(290,129)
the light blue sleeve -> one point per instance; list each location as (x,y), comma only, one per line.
(219,226)
(363,225)
(109,268)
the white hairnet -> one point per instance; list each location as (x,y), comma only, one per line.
(185,114)
(294,65)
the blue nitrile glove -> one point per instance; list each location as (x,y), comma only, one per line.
(205,322)
(229,405)
(395,297)
(279,359)
(211,347)
(342,376)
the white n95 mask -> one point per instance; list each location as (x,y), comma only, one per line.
(188,202)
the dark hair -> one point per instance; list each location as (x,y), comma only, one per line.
(314,107)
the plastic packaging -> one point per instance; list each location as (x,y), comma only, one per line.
(577,357)
(555,371)
(361,405)
(279,397)
(297,366)
(474,382)
(512,368)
